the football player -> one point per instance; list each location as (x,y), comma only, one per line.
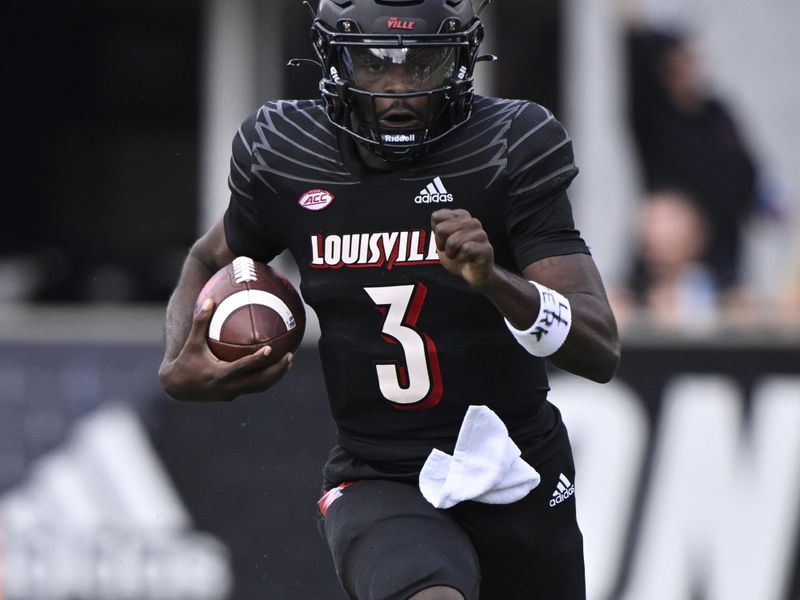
(436,244)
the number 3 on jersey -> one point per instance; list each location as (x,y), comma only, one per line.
(417,384)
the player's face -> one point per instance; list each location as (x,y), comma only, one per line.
(400,71)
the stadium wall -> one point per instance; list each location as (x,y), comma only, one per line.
(688,471)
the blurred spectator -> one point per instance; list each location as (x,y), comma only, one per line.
(669,280)
(687,141)
(789,300)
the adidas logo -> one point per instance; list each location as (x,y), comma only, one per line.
(434,192)
(110,533)
(564,489)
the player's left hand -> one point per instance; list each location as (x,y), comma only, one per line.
(463,246)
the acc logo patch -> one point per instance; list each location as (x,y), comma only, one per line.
(316,199)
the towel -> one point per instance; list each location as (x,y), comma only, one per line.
(486,465)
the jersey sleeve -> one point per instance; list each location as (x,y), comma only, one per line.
(541,166)
(246,224)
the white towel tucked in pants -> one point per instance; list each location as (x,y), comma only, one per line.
(486,465)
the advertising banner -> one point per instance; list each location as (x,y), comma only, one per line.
(688,477)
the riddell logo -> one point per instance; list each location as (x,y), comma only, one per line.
(316,199)
(399,138)
(395,23)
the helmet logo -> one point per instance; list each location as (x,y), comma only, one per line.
(316,199)
(395,23)
(335,75)
(399,138)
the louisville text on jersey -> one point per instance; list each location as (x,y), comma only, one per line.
(385,249)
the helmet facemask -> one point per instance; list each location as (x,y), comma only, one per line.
(397,94)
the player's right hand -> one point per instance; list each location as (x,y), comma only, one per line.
(195,374)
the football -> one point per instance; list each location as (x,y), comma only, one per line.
(254,306)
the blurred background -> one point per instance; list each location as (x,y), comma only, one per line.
(118,122)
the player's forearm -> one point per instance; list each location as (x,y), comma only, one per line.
(207,255)
(591,348)
(515,298)
(181,306)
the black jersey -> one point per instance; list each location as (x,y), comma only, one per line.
(406,346)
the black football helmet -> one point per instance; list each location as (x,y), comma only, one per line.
(397,74)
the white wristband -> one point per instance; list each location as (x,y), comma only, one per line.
(550,329)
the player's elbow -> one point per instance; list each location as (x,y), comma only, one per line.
(606,364)
(598,365)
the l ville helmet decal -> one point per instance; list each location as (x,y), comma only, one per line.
(316,199)
(386,249)
(402,24)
